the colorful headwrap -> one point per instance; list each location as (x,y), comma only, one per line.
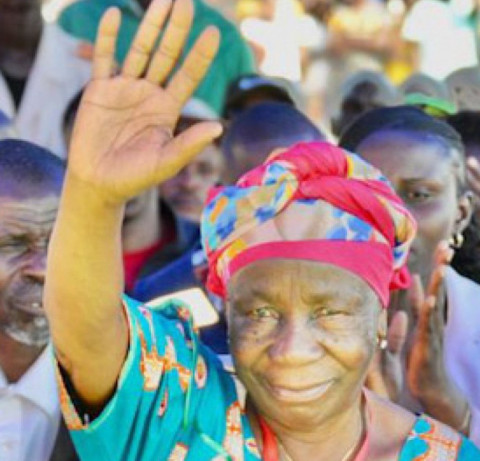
(315,202)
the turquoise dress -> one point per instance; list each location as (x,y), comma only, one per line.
(174,402)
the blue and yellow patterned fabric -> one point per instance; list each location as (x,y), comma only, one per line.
(431,441)
(175,402)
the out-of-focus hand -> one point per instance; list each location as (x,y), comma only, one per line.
(427,378)
(425,358)
(386,374)
(473,178)
(122,142)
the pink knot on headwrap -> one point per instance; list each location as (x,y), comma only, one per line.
(317,202)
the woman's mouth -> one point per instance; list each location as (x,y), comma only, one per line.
(300,394)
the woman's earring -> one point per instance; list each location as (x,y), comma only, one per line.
(456,240)
(382,342)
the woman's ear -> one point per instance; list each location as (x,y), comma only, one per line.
(464,212)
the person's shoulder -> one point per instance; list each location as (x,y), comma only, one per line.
(429,437)
(390,423)
(462,290)
(86,7)
(207,15)
(80,16)
(407,437)
(65,48)
(56,34)
(390,429)
(457,279)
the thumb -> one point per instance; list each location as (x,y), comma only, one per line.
(397,332)
(184,147)
(375,381)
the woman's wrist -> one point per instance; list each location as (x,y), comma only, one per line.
(449,407)
(467,420)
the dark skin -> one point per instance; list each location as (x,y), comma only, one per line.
(21,27)
(141,227)
(102,175)
(25,227)
(187,192)
(425,173)
(302,335)
(473,173)
(243,155)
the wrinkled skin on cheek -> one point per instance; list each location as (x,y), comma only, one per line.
(24,328)
(25,228)
(18,319)
(302,335)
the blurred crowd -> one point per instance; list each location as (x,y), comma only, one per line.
(396,81)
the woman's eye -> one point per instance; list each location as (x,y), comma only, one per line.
(262,313)
(418,195)
(326,312)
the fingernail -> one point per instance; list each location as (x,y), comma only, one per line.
(450,255)
(431,301)
(443,245)
(473,162)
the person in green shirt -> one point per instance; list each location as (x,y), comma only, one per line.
(233,59)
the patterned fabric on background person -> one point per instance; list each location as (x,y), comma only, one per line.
(280,204)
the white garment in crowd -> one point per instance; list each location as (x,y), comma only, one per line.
(462,342)
(446,42)
(29,413)
(58,74)
(283,38)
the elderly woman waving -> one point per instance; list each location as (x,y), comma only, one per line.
(305,248)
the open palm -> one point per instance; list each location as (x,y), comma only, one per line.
(122,141)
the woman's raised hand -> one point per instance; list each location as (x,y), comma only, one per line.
(122,141)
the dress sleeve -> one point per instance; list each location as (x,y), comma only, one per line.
(161,369)
(468,451)
(475,426)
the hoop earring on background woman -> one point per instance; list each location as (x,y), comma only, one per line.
(456,240)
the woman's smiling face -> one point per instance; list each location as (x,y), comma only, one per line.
(302,335)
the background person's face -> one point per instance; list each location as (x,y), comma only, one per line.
(423,175)
(186,193)
(137,206)
(302,335)
(25,228)
(473,150)
(19,20)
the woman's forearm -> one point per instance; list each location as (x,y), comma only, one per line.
(83,289)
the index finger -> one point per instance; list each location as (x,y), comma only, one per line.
(145,38)
(172,42)
(397,332)
(473,167)
(436,281)
(196,64)
(104,49)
